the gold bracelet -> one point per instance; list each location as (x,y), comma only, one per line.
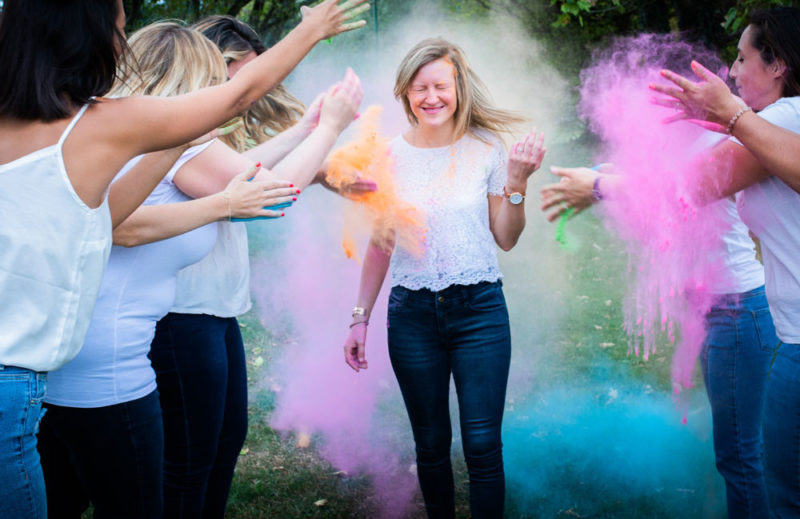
(358,322)
(735,118)
(227,196)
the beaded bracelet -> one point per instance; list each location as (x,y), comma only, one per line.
(735,118)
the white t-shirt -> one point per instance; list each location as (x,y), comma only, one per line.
(734,248)
(449,186)
(53,250)
(772,211)
(138,289)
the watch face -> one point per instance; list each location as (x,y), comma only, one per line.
(515,198)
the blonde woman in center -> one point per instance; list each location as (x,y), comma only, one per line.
(447,313)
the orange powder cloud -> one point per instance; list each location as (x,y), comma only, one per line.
(368,155)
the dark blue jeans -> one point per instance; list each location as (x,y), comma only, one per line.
(782,433)
(22,493)
(735,361)
(202,378)
(110,456)
(461,330)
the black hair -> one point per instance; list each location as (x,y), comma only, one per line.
(229,33)
(56,55)
(775,34)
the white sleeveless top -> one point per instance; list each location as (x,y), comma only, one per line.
(53,250)
(138,289)
(449,186)
(219,284)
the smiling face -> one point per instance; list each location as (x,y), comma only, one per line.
(759,83)
(432,95)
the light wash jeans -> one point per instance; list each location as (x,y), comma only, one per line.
(22,494)
(736,356)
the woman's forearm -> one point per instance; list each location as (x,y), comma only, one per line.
(271,152)
(776,148)
(151,223)
(373,273)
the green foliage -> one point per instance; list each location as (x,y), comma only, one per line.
(737,15)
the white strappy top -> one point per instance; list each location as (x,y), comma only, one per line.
(53,250)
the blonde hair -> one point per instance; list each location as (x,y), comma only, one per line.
(475,108)
(271,114)
(168,59)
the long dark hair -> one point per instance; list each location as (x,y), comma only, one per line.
(56,55)
(776,35)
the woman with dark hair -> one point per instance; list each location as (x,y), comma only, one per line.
(61,144)
(767,75)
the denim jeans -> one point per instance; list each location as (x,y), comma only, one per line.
(22,493)
(782,433)
(735,361)
(462,330)
(110,456)
(202,378)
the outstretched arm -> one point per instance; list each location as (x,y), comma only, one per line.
(710,99)
(242,198)
(220,163)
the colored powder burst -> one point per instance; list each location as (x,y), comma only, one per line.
(673,242)
(369,155)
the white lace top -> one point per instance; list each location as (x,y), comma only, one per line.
(449,186)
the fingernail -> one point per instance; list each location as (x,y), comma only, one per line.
(291,185)
(298,191)
(283,214)
(294,199)
(258,164)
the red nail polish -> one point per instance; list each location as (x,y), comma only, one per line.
(294,199)
(291,185)
(258,164)
(283,214)
(298,191)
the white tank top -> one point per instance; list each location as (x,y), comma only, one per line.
(53,250)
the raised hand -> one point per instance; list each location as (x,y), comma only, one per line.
(525,157)
(341,102)
(331,18)
(708,100)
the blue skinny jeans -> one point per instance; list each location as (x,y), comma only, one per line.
(782,433)
(462,330)
(735,361)
(202,378)
(22,493)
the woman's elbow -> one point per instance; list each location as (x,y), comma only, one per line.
(507,244)
(126,237)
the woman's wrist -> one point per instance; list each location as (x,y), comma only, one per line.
(222,205)
(516,185)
